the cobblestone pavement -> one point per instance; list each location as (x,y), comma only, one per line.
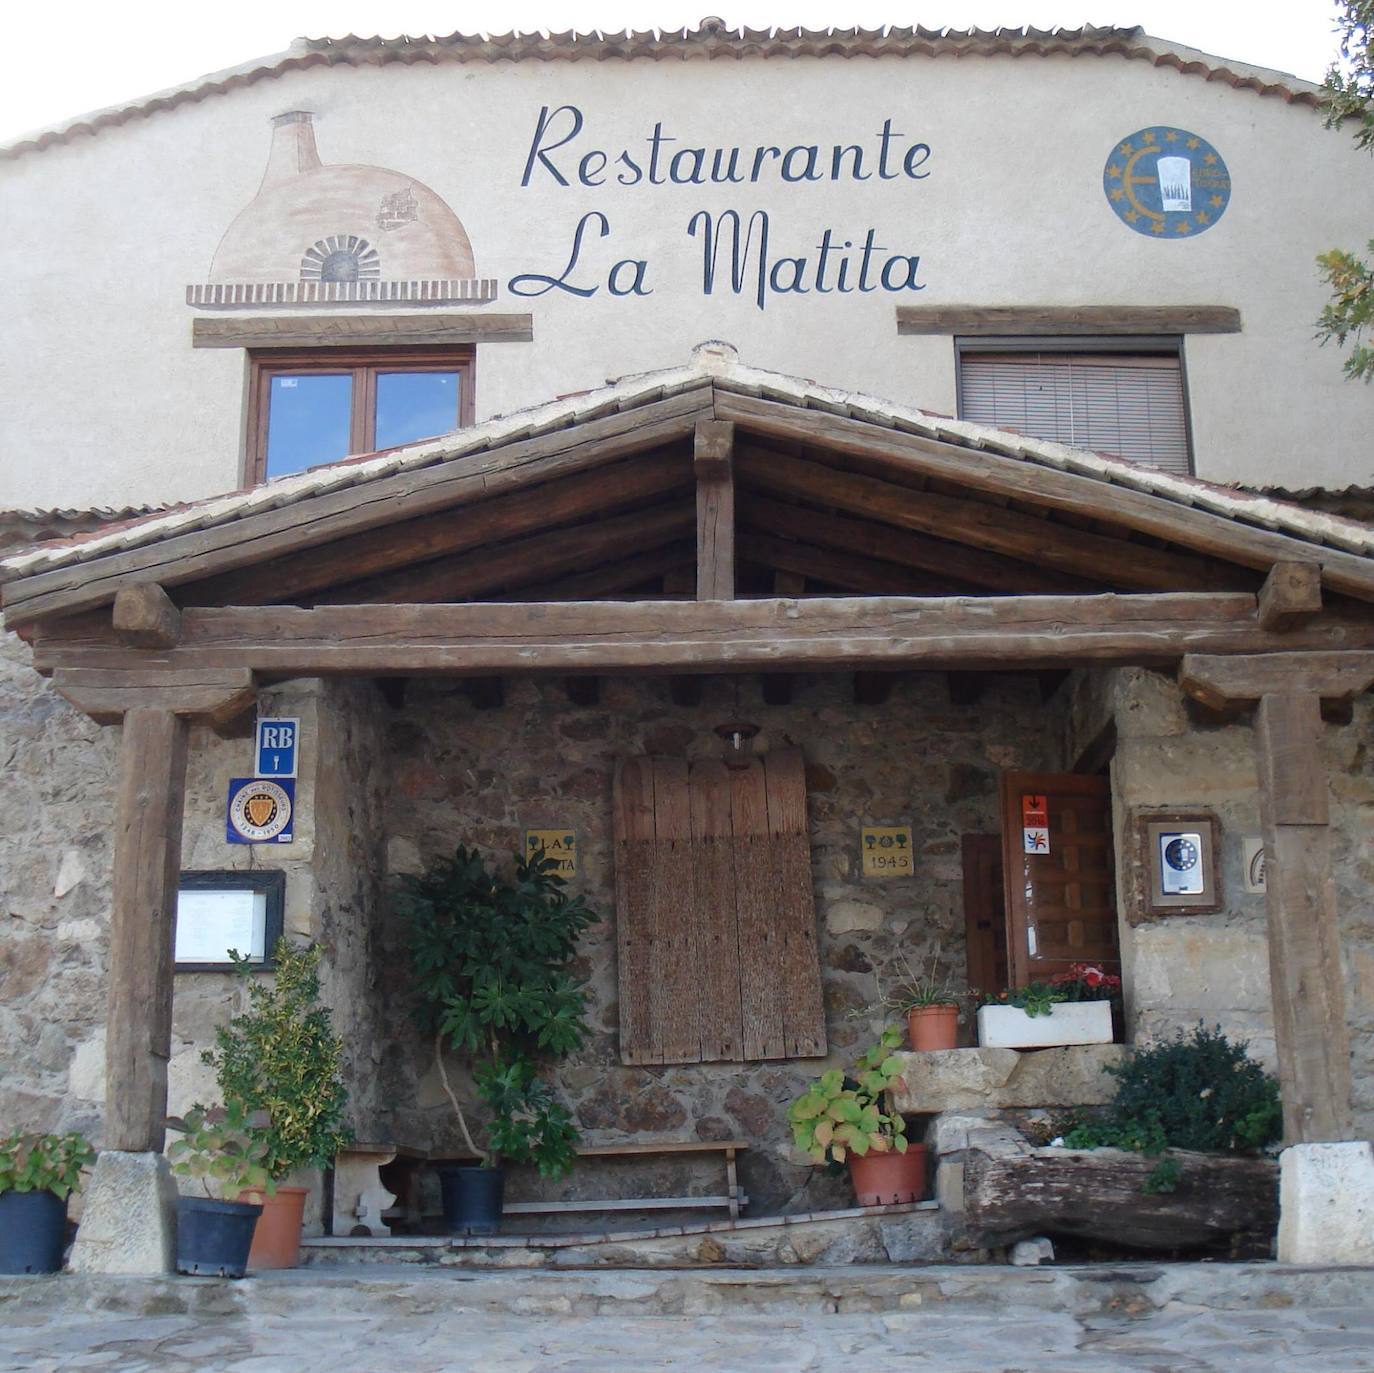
(369,1328)
(1171,1341)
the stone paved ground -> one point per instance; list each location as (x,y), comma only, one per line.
(1195,1322)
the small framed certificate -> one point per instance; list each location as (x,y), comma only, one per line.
(219,911)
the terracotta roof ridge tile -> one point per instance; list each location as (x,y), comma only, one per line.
(711,40)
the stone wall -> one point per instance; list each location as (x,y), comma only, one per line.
(469,776)
(1182,969)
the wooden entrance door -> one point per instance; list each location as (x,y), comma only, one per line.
(1061,903)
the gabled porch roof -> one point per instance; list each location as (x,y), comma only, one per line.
(593,496)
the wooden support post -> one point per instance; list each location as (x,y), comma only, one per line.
(1304,934)
(712,461)
(147,863)
(1291,595)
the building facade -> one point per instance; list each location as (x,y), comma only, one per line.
(1056,294)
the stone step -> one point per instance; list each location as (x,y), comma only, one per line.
(908,1233)
(1117,1291)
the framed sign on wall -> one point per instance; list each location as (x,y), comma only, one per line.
(1178,869)
(219,911)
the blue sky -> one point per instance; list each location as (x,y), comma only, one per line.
(81,56)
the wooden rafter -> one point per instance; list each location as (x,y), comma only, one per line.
(690,636)
(521,561)
(847,571)
(1038,541)
(537,509)
(868,538)
(331,515)
(1186,526)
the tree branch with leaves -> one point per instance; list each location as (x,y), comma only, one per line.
(1349,99)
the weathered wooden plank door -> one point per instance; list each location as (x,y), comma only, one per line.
(1061,903)
(716,920)
(985,913)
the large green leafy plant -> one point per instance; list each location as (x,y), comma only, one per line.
(1201,1091)
(281,1057)
(43,1163)
(491,958)
(221,1147)
(852,1113)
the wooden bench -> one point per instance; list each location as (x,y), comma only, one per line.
(360,1199)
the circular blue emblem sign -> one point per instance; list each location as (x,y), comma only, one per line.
(1166,183)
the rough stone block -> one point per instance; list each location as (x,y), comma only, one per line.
(1080,1022)
(128,1223)
(948,1134)
(1326,1203)
(971,1080)
(1033,1252)
(949,1187)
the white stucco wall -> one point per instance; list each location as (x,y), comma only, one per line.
(104,401)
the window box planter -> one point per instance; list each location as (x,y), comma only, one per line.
(1069,1022)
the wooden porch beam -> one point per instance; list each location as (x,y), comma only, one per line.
(349,509)
(713,461)
(1038,541)
(213,696)
(145,616)
(147,863)
(1224,682)
(1291,595)
(1188,526)
(1306,979)
(690,636)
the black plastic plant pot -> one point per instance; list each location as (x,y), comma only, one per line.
(472,1199)
(33,1231)
(214,1237)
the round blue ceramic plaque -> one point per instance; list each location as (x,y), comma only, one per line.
(1166,183)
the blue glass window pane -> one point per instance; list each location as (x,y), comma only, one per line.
(415,405)
(307,421)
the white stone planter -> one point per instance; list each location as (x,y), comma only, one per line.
(1069,1022)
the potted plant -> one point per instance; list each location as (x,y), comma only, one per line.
(37,1175)
(491,959)
(280,1058)
(849,1118)
(220,1150)
(930,1002)
(1073,1007)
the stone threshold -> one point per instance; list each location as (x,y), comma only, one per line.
(324,1243)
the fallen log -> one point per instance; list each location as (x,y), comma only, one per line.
(1013,1190)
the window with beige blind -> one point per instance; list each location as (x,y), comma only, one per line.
(715,917)
(1125,398)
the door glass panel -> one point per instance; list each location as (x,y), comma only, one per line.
(415,405)
(307,421)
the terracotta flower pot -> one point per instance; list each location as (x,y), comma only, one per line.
(933,1027)
(277,1238)
(891,1178)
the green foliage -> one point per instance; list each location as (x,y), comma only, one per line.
(44,1163)
(1200,1092)
(223,1146)
(924,987)
(841,1114)
(491,962)
(1348,97)
(281,1057)
(1035,998)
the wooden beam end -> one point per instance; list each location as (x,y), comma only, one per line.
(1291,595)
(145,617)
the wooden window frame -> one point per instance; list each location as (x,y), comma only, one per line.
(1147,345)
(364,365)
